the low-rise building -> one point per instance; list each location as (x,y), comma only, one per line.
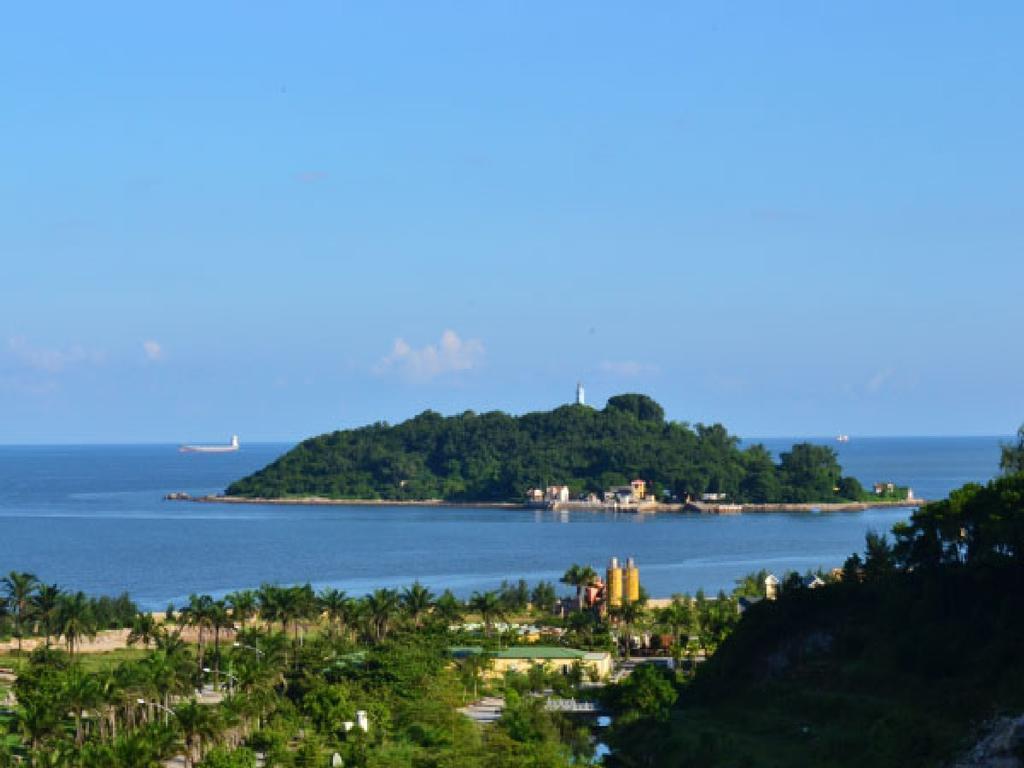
(619,494)
(557,493)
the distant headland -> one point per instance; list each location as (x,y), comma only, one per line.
(626,456)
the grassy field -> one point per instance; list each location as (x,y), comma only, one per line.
(90,661)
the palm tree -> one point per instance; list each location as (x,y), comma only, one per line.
(448,607)
(197,723)
(81,691)
(627,614)
(44,608)
(579,576)
(165,674)
(381,607)
(676,615)
(242,604)
(490,607)
(144,629)
(219,619)
(169,642)
(472,668)
(37,719)
(19,587)
(198,613)
(109,694)
(75,619)
(334,603)
(299,605)
(134,750)
(270,604)
(417,601)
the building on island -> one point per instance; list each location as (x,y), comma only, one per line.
(580,395)
(771,586)
(714,496)
(639,489)
(558,493)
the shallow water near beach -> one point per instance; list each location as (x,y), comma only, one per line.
(94,518)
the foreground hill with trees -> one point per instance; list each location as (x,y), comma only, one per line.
(497,457)
(909,659)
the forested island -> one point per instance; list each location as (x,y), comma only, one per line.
(494,457)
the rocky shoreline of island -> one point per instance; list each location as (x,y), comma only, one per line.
(690,507)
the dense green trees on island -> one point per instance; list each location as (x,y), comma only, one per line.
(497,457)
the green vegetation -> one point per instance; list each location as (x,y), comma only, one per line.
(29,607)
(897,663)
(285,686)
(1012,459)
(497,457)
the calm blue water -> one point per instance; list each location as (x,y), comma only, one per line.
(93,518)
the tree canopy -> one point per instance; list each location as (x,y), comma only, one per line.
(496,457)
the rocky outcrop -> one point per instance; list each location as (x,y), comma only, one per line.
(1002,746)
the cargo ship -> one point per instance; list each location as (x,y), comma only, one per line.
(229,448)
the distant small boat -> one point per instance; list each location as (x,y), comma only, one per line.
(843,439)
(230,448)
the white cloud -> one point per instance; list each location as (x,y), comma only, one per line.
(452,354)
(152,350)
(876,382)
(628,368)
(51,360)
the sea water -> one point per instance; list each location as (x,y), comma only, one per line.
(94,518)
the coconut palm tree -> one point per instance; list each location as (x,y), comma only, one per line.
(19,588)
(109,695)
(144,629)
(627,614)
(37,719)
(169,642)
(242,604)
(198,724)
(199,614)
(268,600)
(75,619)
(44,608)
(81,691)
(164,675)
(490,607)
(381,607)
(676,616)
(417,601)
(219,620)
(448,607)
(579,576)
(299,606)
(334,603)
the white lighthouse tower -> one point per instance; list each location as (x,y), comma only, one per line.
(580,397)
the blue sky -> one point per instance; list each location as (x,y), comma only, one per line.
(790,217)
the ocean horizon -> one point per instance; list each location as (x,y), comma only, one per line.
(93,517)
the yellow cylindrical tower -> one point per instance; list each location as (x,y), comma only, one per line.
(614,582)
(632,581)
